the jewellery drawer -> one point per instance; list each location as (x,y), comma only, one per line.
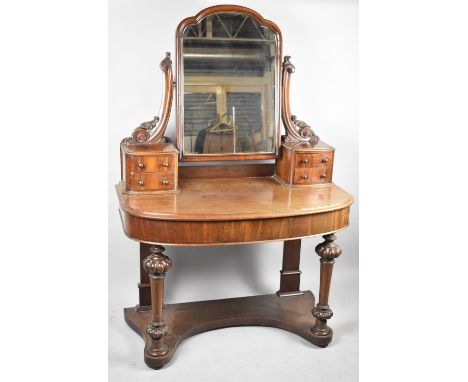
(151,163)
(312,175)
(151,182)
(307,160)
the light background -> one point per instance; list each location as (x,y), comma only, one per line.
(413,92)
(321,37)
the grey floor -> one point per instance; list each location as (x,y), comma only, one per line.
(242,353)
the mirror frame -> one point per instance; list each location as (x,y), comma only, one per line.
(180,86)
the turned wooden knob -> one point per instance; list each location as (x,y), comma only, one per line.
(141,183)
(323,175)
(324,160)
(141,165)
(305,160)
(304,176)
(165,182)
(165,164)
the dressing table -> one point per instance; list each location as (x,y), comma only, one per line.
(231,90)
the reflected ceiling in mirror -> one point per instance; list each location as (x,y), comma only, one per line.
(229,87)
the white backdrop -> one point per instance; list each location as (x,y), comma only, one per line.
(321,36)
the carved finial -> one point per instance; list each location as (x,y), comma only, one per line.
(157,263)
(166,62)
(328,250)
(287,64)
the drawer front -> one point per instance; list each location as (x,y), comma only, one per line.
(312,175)
(151,182)
(151,163)
(307,160)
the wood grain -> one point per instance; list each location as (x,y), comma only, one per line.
(290,273)
(234,199)
(144,284)
(193,233)
(149,167)
(305,163)
(227,171)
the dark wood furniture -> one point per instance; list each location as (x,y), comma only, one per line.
(163,202)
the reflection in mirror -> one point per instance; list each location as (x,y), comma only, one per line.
(229,98)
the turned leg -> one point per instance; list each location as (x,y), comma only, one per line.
(290,273)
(156,264)
(327,251)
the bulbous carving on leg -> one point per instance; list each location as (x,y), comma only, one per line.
(157,263)
(328,250)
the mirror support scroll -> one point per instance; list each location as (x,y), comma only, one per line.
(153,131)
(297,131)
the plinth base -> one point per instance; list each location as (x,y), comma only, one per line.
(291,313)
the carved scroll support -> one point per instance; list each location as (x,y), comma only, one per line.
(327,251)
(153,131)
(156,264)
(297,131)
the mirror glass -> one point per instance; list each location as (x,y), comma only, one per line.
(229,86)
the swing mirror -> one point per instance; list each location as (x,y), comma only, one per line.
(228,65)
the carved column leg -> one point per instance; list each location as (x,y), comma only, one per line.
(290,274)
(156,265)
(327,251)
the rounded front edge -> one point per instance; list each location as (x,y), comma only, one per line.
(207,233)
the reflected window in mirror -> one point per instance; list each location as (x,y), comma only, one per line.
(230,86)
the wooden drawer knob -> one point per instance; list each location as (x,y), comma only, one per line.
(141,183)
(305,160)
(304,176)
(165,182)
(141,165)
(323,175)
(165,164)
(324,160)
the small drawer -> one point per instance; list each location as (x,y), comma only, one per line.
(151,182)
(151,163)
(312,175)
(307,160)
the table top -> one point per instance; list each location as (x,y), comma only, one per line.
(224,199)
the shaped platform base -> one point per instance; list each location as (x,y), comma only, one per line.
(291,313)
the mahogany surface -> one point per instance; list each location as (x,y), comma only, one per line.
(234,199)
(184,320)
(233,211)
(144,292)
(290,273)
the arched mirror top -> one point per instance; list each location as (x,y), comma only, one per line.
(228,85)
